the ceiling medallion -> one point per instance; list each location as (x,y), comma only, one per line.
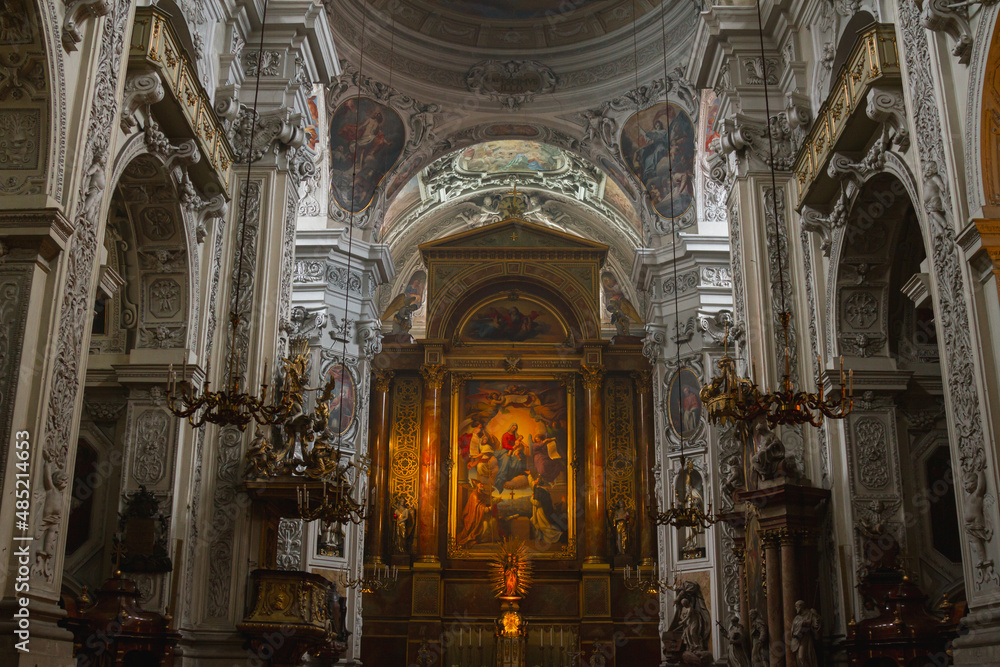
(512,83)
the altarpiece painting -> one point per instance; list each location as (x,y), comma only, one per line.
(512,467)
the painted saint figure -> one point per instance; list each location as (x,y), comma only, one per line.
(543,514)
(477,517)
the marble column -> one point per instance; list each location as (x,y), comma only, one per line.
(428,510)
(775,619)
(595,528)
(789,590)
(378,499)
(646,461)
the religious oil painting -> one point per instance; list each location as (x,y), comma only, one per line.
(519,320)
(512,454)
(510,156)
(684,403)
(366,139)
(343,403)
(658,145)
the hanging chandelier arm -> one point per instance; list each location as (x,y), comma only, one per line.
(774,184)
(673,219)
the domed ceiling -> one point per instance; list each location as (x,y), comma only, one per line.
(556,55)
(514,24)
(510,10)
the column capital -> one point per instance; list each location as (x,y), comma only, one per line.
(643,379)
(433,375)
(593,376)
(383,379)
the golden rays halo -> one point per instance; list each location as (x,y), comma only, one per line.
(511,570)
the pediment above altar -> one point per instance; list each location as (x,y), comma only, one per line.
(513,234)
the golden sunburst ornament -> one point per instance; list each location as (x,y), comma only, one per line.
(511,570)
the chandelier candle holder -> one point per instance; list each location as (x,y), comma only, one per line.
(730,398)
(336,505)
(685,511)
(645,579)
(374,577)
(230,406)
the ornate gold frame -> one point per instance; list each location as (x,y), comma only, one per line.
(568,380)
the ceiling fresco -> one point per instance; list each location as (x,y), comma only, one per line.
(511,157)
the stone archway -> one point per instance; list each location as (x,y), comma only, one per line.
(882,321)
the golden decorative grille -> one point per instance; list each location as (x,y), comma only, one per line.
(404,442)
(619,464)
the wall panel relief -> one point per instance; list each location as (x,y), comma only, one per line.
(965,409)
(229,455)
(77,298)
(871,452)
(151,453)
(24,106)
(15,285)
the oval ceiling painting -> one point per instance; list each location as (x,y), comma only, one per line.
(366,139)
(658,147)
(511,10)
(343,404)
(508,156)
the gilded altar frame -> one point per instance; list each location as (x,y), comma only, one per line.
(460,380)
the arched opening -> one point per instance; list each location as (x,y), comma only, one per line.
(145,310)
(897,435)
(467,189)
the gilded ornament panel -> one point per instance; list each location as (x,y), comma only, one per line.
(404,442)
(619,462)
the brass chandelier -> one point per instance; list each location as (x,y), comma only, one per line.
(374,577)
(231,406)
(731,398)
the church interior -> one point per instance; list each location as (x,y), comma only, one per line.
(467,333)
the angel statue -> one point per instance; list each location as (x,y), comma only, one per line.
(407,302)
(621,309)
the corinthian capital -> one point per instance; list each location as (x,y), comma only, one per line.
(592,376)
(433,375)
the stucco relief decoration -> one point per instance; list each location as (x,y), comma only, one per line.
(289,556)
(151,431)
(511,83)
(156,223)
(225,512)
(164,297)
(162,336)
(861,310)
(76,305)
(269,61)
(20,135)
(957,342)
(873,465)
